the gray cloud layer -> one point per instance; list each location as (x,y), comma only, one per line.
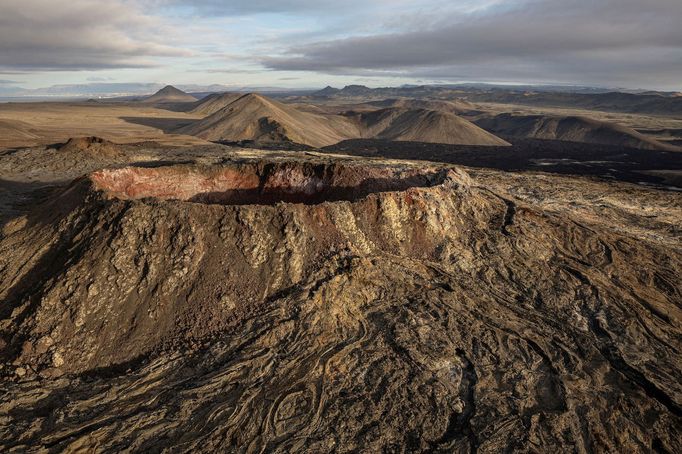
(605,42)
(78,34)
(245,7)
(609,41)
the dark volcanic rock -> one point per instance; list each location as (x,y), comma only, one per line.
(91,147)
(287,306)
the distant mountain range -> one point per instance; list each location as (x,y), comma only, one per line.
(645,102)
(362,90)
(113,90)
(629,101)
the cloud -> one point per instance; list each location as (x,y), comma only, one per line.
(609,40)
(100,79)
(225,71)
(79,34)
(247,7)
(605,42)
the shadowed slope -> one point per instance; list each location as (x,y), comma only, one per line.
(422,125)
(214,102)
(255,117)
(570,128)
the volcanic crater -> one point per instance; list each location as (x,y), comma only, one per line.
(156,256)
(264,304)
(262,183)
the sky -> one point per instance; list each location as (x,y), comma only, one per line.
(314,43)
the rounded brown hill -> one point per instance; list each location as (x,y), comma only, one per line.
(257,118)
(570,128)
(421,125)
